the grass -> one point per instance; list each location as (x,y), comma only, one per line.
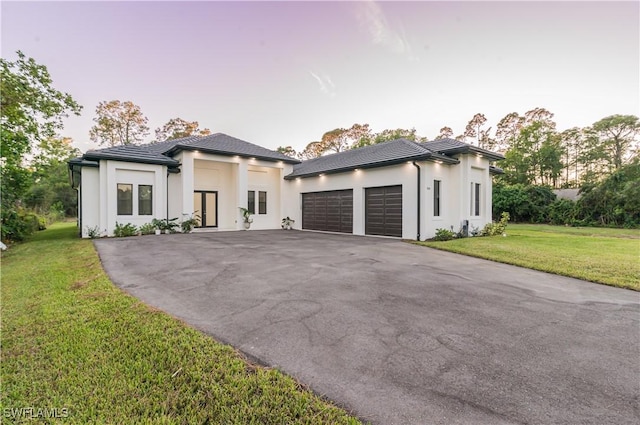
(74,342)
(602,255)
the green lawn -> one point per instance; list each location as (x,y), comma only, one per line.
(609,256)
(74,342)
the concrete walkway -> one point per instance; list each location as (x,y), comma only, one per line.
(396,333)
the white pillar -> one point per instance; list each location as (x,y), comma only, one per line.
(243,180)
(187,171)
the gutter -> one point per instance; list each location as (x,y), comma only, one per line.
(418,223)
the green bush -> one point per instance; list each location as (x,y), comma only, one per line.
(18,223)
(444,235)
(93,232)
(562,211)
(523,203)
(147,229)
(613,202)
(496,229)
(123,230)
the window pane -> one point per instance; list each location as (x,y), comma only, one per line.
(125,199)
(471,200)
(262,202)
(436,198)
(251,202)
(145,199)
(477,198)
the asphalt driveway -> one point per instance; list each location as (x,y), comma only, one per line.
(396,333)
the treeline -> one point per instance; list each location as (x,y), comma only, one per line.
(536,153)
(613,202)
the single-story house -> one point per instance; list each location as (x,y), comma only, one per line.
(398,188)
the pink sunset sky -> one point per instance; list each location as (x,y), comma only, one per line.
(283,73)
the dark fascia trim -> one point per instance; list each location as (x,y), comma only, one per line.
(422,157)
(492,156)
(80,162)
(168,161)
(495,170)
(177,148)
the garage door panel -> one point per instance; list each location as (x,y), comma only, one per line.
(383,211)
(330,211)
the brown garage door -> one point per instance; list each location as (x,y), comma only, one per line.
(328,211)
(383,211)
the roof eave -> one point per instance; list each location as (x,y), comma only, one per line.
(177,148)
(422,157)
(168,162)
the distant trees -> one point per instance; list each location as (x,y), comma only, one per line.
(445,133)
(177,128)
(119,123)
(356,136)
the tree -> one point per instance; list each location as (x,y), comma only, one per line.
(618,138)
(31,110)
(51,179)
(287,150)
(312,150)
(533,156)
(177,128)
(445,133)
(119,123)
(507,130)
(539,115)
(474,128)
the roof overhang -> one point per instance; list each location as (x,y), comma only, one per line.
(177,148)
(433,157)
(491,156)
(105,156)
(495,171)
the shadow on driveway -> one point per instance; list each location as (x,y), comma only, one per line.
(397,333)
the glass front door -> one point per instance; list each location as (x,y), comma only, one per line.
(205,205)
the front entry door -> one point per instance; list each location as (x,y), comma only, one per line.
(205,205)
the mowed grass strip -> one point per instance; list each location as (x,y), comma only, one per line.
(72,340)
(609,256)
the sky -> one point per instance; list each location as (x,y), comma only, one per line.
(284,73)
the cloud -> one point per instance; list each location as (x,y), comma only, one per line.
(374,22)
(326,85)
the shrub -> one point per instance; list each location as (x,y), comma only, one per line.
(444,235)
(495,229)
(147,229)
(18,223)
(93,232)
(123,230)
(189,223)
(562,211)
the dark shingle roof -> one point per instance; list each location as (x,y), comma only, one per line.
(378,155)
(131,153)
(226,145)
(161,153)
(452,146)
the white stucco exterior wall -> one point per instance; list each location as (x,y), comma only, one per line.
(404,174)
(89,199)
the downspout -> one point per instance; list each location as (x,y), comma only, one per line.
(418,167)
(166,198)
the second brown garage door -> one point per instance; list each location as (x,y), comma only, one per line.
(330,211)
(383,211)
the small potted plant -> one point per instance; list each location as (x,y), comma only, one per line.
(246,217)
(189,223)
(287,222)
(158,225)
